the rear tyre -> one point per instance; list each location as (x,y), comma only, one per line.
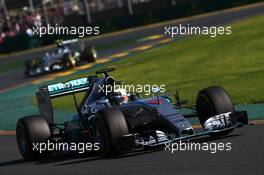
(109,126)
(213,101)
(27,67)
(32,130)
(30,66)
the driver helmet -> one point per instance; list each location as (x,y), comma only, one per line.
(120,96)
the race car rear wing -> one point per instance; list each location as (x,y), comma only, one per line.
(47,92)
(73,86)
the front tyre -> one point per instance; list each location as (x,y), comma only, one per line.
(109,126)
(69,61)
(213,101)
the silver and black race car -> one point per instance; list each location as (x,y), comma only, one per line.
(119,123)
(67,55)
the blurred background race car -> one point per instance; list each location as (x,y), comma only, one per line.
(67,55)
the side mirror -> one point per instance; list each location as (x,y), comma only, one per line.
(155,90)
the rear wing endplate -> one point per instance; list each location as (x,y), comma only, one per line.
(46,93)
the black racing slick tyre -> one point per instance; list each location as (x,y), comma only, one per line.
(31,131)
(109,126)
(30,66)
(90,54)
(68,61)
(212,101)
(27,67)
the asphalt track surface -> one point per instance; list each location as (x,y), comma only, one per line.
(246,157)
(17,77)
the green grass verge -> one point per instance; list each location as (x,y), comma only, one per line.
(235,62)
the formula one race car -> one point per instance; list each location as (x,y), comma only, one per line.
(68,54)
(117,123)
